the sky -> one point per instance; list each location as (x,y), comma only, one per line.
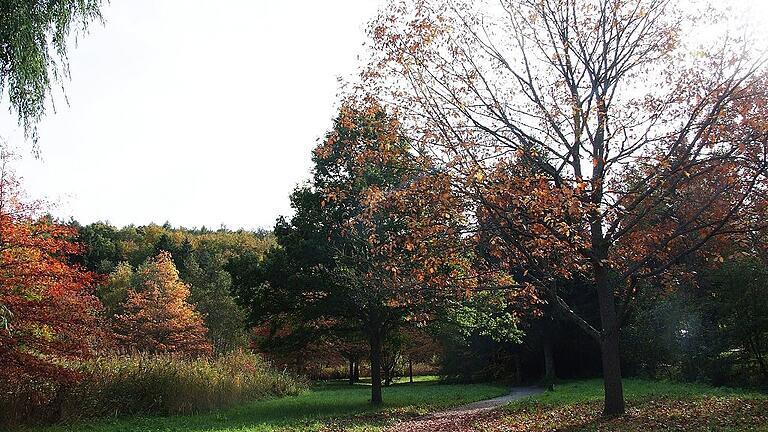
(193,112)
(198,113)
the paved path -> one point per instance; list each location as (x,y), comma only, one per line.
(461,417)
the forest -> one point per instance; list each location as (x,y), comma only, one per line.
(556,207)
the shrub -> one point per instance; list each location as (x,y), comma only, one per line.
(148,384)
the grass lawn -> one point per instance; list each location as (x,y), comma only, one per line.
(327,406)
(651,406)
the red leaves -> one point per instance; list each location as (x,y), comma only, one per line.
(50,308)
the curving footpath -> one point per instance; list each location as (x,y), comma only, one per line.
(461,417)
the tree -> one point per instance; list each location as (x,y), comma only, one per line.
(200,258)
(467,327)
(418,346)
(34,40)
(353,349)
(101,251)
(210,293)
(114,292)
(48,311)
(740,298)
(157,317)
(599,143)
(374,243)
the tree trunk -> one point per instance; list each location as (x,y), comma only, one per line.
(375,345)
(351,371)
(549,361)
(614,391)
(410,371)
(518,370)
(357,371)
(759,357)
(609,344)
(389,373)
(387,376)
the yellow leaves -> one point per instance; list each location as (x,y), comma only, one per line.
(42,331)
(479,176)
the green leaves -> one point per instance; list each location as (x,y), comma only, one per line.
(485,314)
(33,37)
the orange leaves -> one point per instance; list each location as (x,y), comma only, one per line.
(397,223)
(158,317)
(536,222)
(47,300)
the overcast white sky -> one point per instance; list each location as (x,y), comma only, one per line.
(197,112)
(194,112)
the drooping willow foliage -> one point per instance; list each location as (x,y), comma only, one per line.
(34,36)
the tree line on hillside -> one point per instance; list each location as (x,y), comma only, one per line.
(197,257)
(72,291)
(102,321)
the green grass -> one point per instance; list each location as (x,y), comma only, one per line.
(333,405)
(569,392)
(651,405)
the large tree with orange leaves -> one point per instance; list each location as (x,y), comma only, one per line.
(374,244)
(588,137)
(157,317)
(46,304)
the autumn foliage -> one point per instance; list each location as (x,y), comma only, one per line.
(577,166)
(157,317)
(47,308)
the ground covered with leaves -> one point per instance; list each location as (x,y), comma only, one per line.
(650,406)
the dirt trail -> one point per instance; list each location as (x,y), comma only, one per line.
(461,417)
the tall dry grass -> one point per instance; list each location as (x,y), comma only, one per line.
(147,384)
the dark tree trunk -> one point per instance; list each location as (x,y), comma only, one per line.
(357,371)
(410,371)
(759,357)
(518,370)
(389,373)
(375,345)
(549,361)
(351,371)
(609,344)
(614,390)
